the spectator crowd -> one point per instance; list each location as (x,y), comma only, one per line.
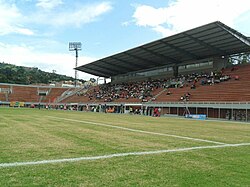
(146,90)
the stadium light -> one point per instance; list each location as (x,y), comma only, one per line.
(75,46)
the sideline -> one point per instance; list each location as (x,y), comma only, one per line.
(15,164)
(140,131)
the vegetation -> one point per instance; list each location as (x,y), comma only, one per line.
(27,75)
(34,135)
(243,58)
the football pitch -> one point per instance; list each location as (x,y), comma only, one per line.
(68,148)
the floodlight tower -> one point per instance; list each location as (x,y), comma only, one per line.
(75,46)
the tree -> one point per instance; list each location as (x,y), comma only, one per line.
(26,75)
(243,58)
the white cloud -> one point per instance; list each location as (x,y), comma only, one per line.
(163,30)
(14,20)
(11,19)
(49,4)
(181,15)
(23,31)
(72,16)
(63,63)
(149,16)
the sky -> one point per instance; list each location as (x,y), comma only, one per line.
(36,33)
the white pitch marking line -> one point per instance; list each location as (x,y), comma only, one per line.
(141,131)
(15,164)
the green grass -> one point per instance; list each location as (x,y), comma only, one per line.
(31,135)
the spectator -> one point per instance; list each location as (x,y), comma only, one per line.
(193,86)
(168,92)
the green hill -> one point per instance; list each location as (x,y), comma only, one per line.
(28,75)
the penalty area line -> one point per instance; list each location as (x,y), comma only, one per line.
(139,131)
(91,158)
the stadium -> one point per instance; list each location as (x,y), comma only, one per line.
(198,57)
(176,113)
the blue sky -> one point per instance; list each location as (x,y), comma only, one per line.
(36,33)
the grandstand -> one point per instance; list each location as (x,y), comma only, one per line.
(159,74)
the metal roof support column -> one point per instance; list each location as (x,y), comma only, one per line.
(246,114)
(175,70)
(219,62)
(97,80)
(233,117)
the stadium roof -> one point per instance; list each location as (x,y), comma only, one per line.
(210,40)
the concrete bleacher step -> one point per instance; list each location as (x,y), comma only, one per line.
(232,90)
